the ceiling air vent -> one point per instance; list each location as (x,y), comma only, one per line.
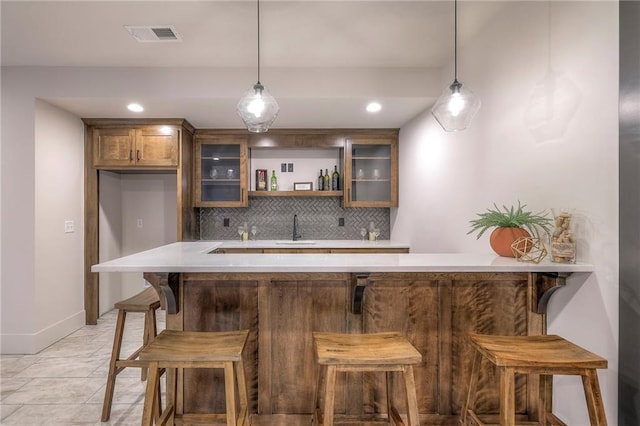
(153,33)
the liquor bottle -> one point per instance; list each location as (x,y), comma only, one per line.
(274,181)
(335,179)
(327,181)
(320,181)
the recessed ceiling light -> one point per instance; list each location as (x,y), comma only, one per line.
(135,107)
(374,107)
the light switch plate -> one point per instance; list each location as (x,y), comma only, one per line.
(69,226)
(290,167)
(283,167)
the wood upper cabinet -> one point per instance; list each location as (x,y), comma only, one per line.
(153,146)
(221,171)
(371,171)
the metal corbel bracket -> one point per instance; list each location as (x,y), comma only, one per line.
(547,283)
(358,285)
(167,286)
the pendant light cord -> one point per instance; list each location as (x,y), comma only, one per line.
(258,15)
(455,40)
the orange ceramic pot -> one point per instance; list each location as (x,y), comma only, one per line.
(502,238)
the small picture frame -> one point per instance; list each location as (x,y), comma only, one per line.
(303,186)
(261,180)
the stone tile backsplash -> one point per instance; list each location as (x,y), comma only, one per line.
(318,219)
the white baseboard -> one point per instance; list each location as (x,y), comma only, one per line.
(30,344)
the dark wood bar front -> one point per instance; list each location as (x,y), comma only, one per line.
(434,310)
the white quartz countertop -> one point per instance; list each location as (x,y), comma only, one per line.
(195,257)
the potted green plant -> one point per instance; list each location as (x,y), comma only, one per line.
(510,224)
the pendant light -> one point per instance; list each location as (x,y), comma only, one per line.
(257,108)
(457,105)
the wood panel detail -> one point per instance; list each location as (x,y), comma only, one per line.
(434,311)
(220,306)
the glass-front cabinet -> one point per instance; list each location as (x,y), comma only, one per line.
(221,171)
(371,172)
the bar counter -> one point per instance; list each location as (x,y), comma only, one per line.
(434,299)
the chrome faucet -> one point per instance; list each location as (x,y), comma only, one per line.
(296,236)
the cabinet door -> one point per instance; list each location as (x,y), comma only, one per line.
(113,147)
(371,172)
(156,146)
(221,172)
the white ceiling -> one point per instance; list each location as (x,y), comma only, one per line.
(303,37)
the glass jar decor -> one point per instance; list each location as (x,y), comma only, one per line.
(563,241)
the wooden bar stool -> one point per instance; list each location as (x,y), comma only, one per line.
(388,352)
(146,302)
(537,356)
(174,349)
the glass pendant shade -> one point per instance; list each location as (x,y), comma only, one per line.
(456,107)
(258,109)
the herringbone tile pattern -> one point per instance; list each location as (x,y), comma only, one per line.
(317,219)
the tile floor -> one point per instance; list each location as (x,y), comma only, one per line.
(64,384)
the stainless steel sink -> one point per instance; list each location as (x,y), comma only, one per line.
(295,243)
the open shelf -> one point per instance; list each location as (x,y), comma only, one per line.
(295,193)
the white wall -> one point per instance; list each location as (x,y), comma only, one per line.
(47,301)
(125,199)
(18,218)
(152,199)
(59,272)
(445,178)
